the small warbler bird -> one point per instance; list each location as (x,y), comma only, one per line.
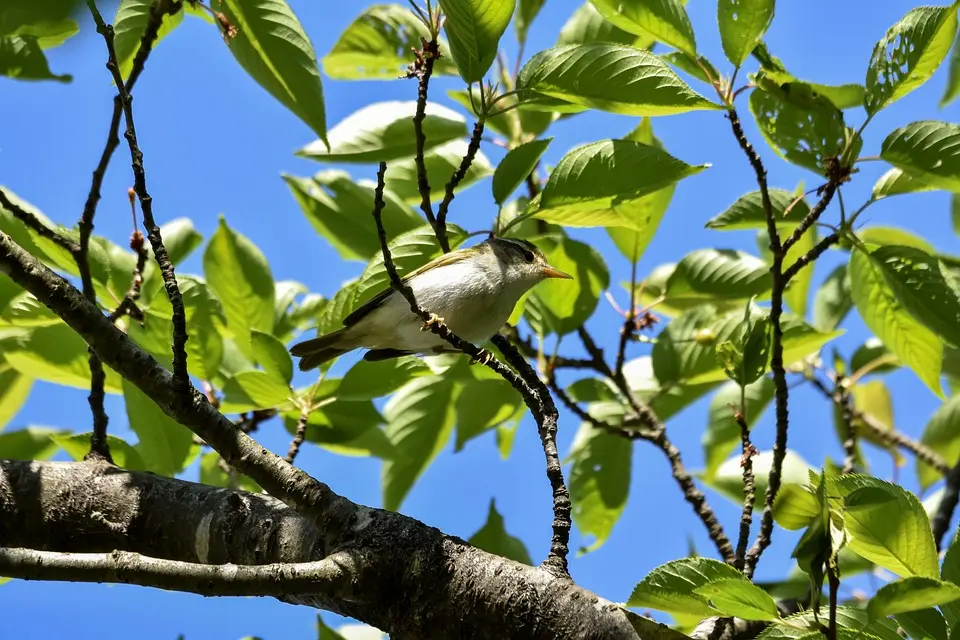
(473,291)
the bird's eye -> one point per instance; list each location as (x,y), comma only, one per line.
(528,256)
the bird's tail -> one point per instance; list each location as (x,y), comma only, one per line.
(315,352)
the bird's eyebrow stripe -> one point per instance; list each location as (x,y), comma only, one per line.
(520,244)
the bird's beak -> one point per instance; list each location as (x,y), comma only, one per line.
(550,272)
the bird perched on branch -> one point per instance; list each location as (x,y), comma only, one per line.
(472,291)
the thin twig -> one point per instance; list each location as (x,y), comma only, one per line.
(814,214)
(423,69)
(810,256)
(526,347)
(181,378)
(776,364)
(656,433)
(34,223)
(833,578)
(844,401)
(299,436)
(629,320)
(540,404)
(749,487)
(441,227)
(887,434)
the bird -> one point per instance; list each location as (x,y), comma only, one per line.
(472,291)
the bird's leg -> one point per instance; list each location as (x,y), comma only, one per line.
(432,320)
(483,357)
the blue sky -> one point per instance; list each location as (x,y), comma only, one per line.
(214,142)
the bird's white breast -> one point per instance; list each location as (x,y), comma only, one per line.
(471,301)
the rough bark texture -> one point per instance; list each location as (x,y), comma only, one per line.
(404,576)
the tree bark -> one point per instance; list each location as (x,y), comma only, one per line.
(396,573)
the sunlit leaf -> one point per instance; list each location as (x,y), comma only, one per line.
(566,304)
(911,594)
(610,77)
(271,45)
(377,46)
(29,443)
(441,162)
(129,25)
(163,443)
(742,25)
(492,537)
(250,390)
(474,28)
(741,598)
(729,476)
(952,89)
(384,131)
(942,434)
(586,26)
(895,182)
(419,420)
(918,347)
(908,54)
(715,273)
(672,587)
(77,445)
(515,167)
(22,57)
(697,66)
(56,354)
(664,21)
(748,213)
(927,150)
(366,380)
(722,434)
(484,405)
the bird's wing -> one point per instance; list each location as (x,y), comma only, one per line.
(446,259)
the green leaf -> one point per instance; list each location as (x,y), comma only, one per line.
(952,90)
(740,598)
(474,28)
(729,477)
(239,274)
(806,134)
(747,212)
(895,182)
(908,54)
(77,445)
(923,624)
(180,238)
(483,405)
(56,354)
(723,433)
(911,594)
(918,347)
(587,26)
(335,207)
(610,77)
(250,390)
(924,286)
(894,236)
(493,538)
(347,423)
(849,618)
(950,571)
(383,131)
(887,525)
(50,33)
(665,21)
(686,349)
(419,420)
(527,10)
(129,25)
(441,162)
(29,443)
(271,45)
(928,150)
(597,184)
(366,380)
(696,66)
(22,57)
(599,477)
(14,390)
(719,273)
(566,304)
(842,96)
(52,254)
(18,14)
(745,356)
(514,125)
(515,167)
(665,401)
(742,25)
(377,45)
(163,443)
(942,434)
(672,587)
(870,351)
(271,355)
(832,302)
(213,474)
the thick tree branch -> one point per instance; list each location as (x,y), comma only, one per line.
(540,404)
(325,576)
(181,379)
(404,577)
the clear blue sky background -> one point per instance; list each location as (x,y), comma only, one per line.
(215,142)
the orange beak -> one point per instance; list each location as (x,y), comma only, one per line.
(550,272)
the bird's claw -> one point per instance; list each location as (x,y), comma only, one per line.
(432,320)
(484,357)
